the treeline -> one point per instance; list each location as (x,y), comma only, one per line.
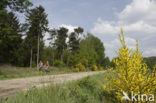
(11,30)
(73,50)
(23,44)
(151,62)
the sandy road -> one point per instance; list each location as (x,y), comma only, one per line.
(10,87)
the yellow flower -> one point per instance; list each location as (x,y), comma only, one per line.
(130,72)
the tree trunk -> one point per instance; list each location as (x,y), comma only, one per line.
(38,49)
(68,58)
(31,52)
(61,57)
(53,58)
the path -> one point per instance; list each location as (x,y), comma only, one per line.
(10,87)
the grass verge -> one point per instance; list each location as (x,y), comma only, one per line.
(9,72)
(86,90)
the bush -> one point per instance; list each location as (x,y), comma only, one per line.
(88,83)
(75,69)
(84,62)
(1,73)
(101,68)
(33,64)
(59,63)
(130,73)
(95,68)
(81,67)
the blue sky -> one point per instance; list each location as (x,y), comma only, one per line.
(80,12)
(104,18)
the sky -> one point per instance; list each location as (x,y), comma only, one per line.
(104,18)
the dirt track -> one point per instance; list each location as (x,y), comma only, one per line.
(10,87)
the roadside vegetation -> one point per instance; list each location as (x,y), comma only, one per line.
(10,72)
(131,74)
(86,90)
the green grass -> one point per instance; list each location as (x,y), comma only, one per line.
(9,72)
(86,90)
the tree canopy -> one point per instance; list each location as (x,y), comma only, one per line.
(23,44)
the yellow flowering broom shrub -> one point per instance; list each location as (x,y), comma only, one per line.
(130,74)
(79,67)
(95,68)
(101,68)
(75,69)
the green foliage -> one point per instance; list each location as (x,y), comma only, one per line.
(17,5)
(37,23)
(101,68)
(81,67)
(75,69)
(60,44)
(9,72)
(10,29)
(10,39)
(86,90)
(69,48)
(16,72)
(74,40)
(98,46)
(59,63)
(48,55)
(151,62)
(94,68)
(91,52)
(106,63)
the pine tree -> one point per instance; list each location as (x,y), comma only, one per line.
(9,29)
(59,43)
(74,40)
(38,25)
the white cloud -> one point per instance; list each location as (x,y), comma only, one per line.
(116,43)
(139,10)
(113,28)
(150,52)
(47,42)
(105,27)
(138,20)
(113,45)
(69,27)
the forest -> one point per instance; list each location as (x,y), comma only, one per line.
(22,44)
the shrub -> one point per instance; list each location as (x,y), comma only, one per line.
(81,67)
(130,73)
(95,68)
(84,62)
(59,63)
(101,68)
(75,69)
(1,72)
(87,83)
(33,64)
